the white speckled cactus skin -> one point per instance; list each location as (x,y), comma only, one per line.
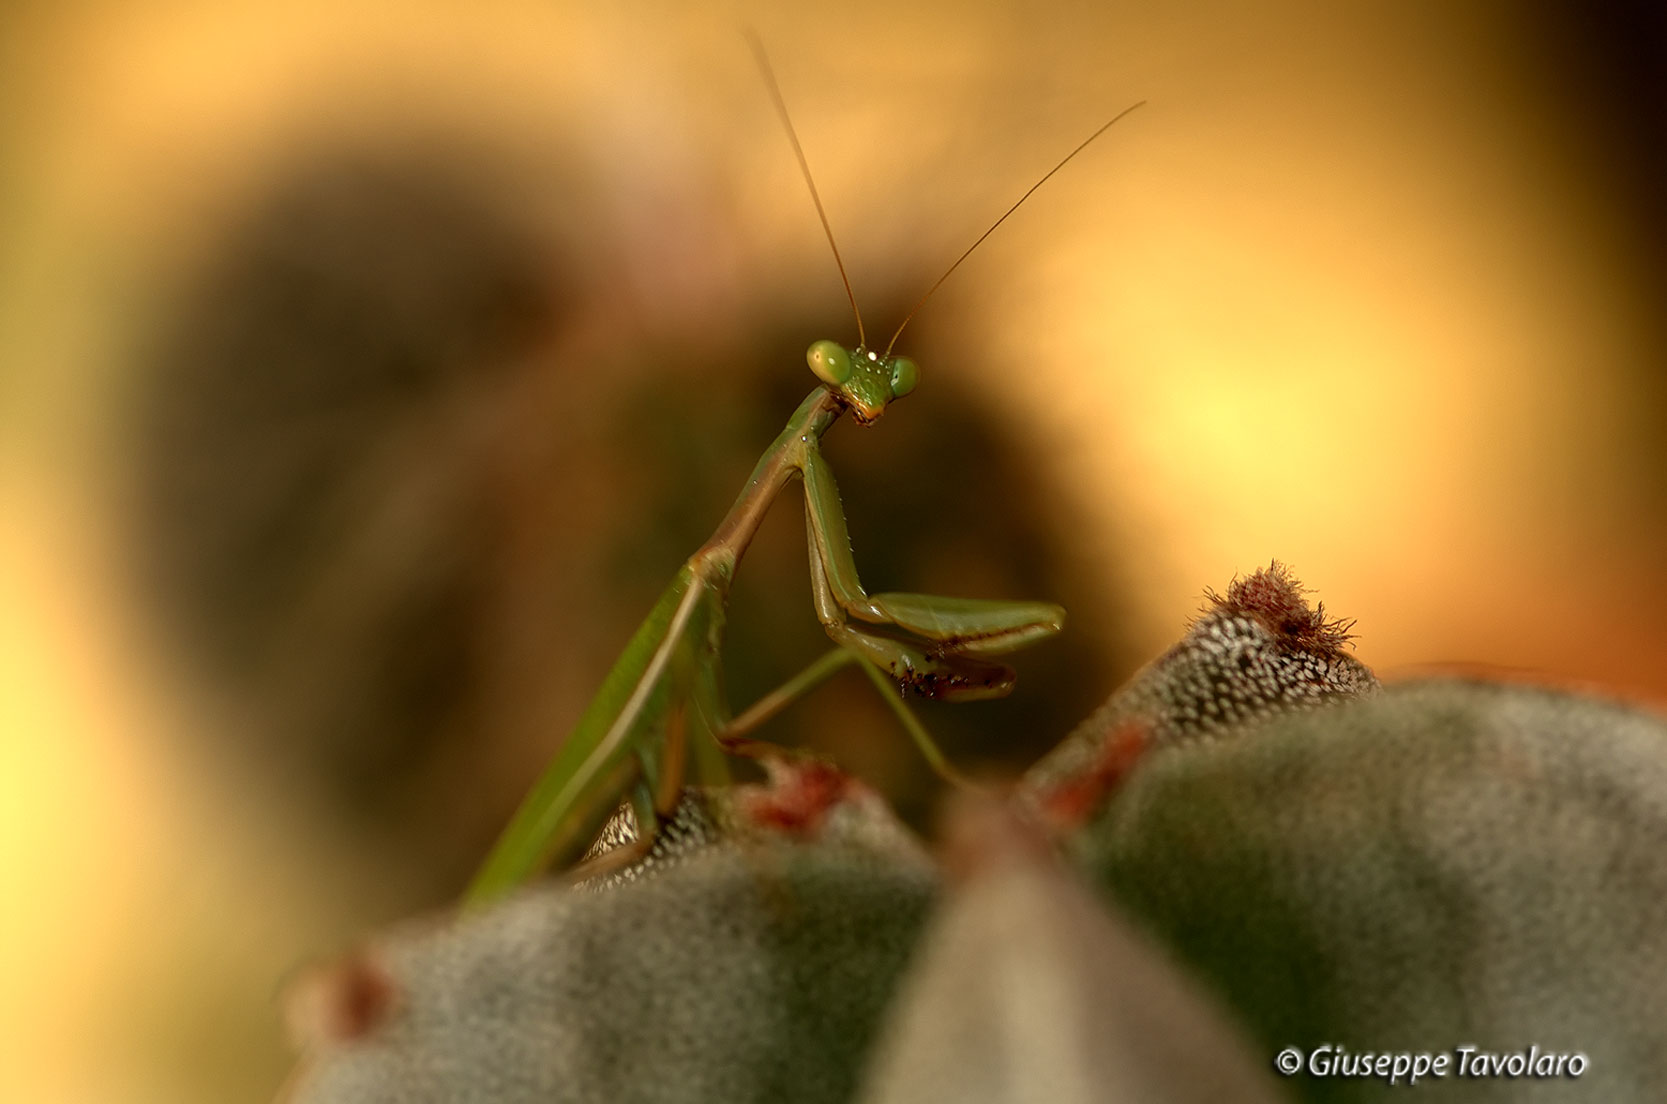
(1434,864)
(1257,650)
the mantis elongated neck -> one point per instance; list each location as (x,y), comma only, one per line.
(783,460)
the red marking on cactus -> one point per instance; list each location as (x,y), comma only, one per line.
(1273,597)
(798,797)
(340,1002)
(1078,799)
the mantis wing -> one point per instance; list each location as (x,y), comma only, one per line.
(609,749)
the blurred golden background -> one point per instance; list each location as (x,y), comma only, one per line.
(367,372)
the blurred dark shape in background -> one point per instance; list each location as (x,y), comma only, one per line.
(317,527)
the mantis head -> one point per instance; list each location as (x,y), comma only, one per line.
(866,380)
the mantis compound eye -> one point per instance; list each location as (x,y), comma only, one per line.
(905,373)
(830,362)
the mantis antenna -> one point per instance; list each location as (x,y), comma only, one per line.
(804,167)
(1063,162)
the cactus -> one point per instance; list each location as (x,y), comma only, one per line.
(1262,849)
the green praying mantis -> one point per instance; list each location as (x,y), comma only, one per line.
(663,698)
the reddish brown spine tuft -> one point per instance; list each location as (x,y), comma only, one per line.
(1273,597)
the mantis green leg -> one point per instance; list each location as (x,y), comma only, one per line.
(959,626)
(928,747)
(735,739)
(653,802)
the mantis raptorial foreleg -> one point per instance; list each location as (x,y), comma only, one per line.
(945,677)
(944,631)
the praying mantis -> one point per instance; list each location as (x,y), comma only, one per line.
(663,699)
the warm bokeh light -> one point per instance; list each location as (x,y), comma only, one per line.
(1373,290)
